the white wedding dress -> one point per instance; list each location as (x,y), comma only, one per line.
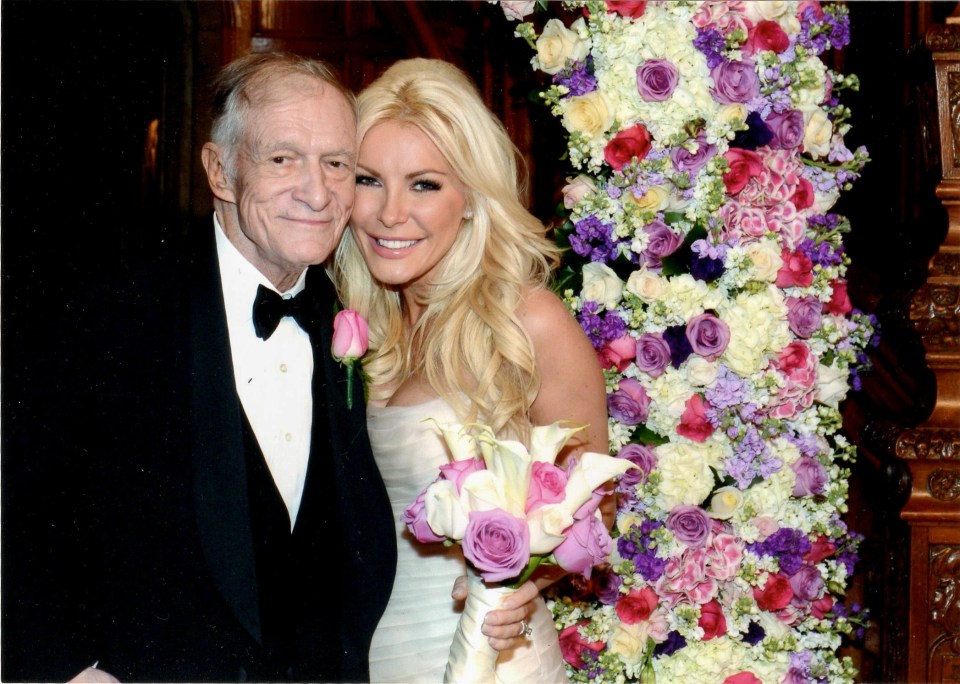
(412,641)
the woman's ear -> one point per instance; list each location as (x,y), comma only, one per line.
(213,163)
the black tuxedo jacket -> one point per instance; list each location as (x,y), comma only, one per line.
(150,568)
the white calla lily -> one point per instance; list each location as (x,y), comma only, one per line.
(445,513)
(546,441)
(461,444)
(591,471)
(547,525)
(482,491)
(510,463)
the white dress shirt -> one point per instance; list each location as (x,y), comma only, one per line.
(273,376)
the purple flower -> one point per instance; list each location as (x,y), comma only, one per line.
(600,328)
(706,268)
(735,82)
(811,476)
(642,457)
(497,544)
(653,354)
(756,135)
(708,336)
(629,404)
(578,77)
(637,545)
(606,585)
(656,80)
(804,315)
(690,162)
(592,238)
(755,634)
(661,242)
(676,338)
(711,43)
(787,545)
(675,641)
(787,129)
(414,517)
(689,524)
(587,544)
(807,583)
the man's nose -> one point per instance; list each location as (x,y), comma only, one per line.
(313,186)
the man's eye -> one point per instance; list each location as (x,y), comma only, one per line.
(278,160)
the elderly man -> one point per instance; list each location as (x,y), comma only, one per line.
(227,521)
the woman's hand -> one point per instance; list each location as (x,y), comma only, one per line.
(502,626)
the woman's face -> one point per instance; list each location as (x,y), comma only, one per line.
(409,205)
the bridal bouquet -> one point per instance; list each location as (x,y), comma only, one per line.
(707,147)
(511,508)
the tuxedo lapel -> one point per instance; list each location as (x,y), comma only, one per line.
(220,485)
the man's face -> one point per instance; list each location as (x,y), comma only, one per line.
(294,176)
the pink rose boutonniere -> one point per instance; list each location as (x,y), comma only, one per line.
(350,340)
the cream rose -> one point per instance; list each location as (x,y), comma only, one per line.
(628,642)
(817,131)
(559,44)
(515,10)
(590,114)
(725,502)
(700,372)
(832,384)
(647,286)
(765,256)
(656,198)
(576,189)
(601,284)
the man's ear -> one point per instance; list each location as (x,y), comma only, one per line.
(213,162)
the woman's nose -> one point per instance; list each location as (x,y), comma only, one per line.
(393,211)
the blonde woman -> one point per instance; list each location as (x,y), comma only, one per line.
(450,270)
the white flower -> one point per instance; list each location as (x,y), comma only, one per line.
(589,114)
(647,285)
(832,384)
(558,44)
(817,131)
(601,284)
(444,509)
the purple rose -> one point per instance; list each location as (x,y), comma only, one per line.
(807,583)
(811,476)
(497,544)
(458,471)
(656,80)
(414,517)
(804,315)
(691,162)
(587,543)
(689,524)
(661,242)
(735,82)
(708,336)
(629,404)
(606,586)
(653,354)
(787,129)
(640,456)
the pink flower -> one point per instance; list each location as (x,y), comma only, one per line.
(573,644)
(693,422)
(767,35)
(820,549)
(516,10)
(743,678)
(744,165)
(497,544)
(547,485)
(350,335)
(587,544)
(797,270)
(632,143)
(839,303)
(804,196)
(618,353)
(637,605)
(458,471)
(724,555)
(630,403)
(414,517)
(708,336)
(775,595)
(712,621)
(821,606)
(627,8)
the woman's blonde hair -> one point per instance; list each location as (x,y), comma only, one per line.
(469,344)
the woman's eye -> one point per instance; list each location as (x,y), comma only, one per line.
(426,186)
(367,180)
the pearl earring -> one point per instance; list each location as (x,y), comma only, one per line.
(468,215)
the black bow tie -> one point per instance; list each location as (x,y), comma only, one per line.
(269,308)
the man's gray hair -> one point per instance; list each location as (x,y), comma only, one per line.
(240,82)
